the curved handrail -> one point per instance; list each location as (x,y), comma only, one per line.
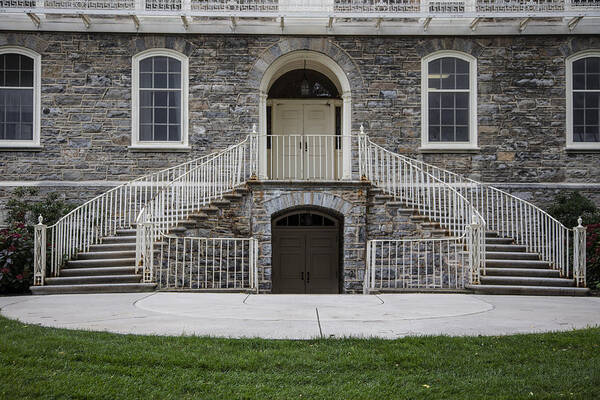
(104,214)
(510,216)
(209,180)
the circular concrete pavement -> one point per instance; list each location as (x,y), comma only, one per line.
(305,316)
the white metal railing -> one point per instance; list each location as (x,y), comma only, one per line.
(207,181)
(355,8)
(100,217)
(407,180)
(502,212)
(305,157)
(207,263)
(417,264)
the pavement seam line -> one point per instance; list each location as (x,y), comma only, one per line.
(319,322)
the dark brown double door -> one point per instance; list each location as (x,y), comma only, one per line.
(306,256)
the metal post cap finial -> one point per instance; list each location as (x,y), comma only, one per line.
(253,128)
(40,219)
(362,129)
(579,221)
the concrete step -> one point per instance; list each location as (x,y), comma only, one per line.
(504,263)
(496,240)
(526,281)
(89,279)
(96,255)
(112,247)
(208,210)
(529,290)
(491,234)
(511,255)
(118,239)
(92,271)
(548,273)
(93,288)
(220,203)
(505,248)
(125,232)
(233,196)
(242,190)
(104,262)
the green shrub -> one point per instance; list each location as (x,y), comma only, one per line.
(568,207)
(593,256)
(16,259)
(16,241)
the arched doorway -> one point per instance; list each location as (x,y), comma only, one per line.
(304,119)
(306,250)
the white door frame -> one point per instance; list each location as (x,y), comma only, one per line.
(319,62)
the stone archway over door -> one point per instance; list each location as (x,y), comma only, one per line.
(306,247)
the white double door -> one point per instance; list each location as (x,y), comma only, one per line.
(303,141)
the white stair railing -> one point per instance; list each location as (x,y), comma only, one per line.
(502,212)
(99,217)
(408,181)
(209,180)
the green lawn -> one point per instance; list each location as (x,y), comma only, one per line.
(55,363)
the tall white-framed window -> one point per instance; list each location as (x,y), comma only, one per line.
(20,77)
(449,101)
(159,100)
(583,100)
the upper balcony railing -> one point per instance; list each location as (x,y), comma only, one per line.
(339,8)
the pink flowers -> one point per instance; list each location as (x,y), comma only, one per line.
(4,270)
(19,277)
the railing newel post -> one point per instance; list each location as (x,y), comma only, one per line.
(39,253)
(579,253)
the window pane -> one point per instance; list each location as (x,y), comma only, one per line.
(462,81)
(174,134)
(173,115)
(448,65)
(174,98)
(462,100)
(448,81)
(578,81)
(174,81)
(592,65)
(578,117)
(145,115)
(26,79)
(593,82)
(160,81)
(434,117)
(447,117)
(434,133)
(174,65)
(448,100)
(160,115)
(11,131)
(160,132)
(26,63)
(591,133)
(146,98)
(462,66)
(578,100)
(578,132)
(462,134)
(434,83)
(447,133)
(591,117)
(591,100)
(462,117)
(435,66)
(160,64)
(11,78)
(26,132)
(146,65)
(146,80)
(579,66)
(435,100)
(160,99)
(145,132)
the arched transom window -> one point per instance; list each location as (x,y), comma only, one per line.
(449,102)
(19,97)
(583,100)
(160,100)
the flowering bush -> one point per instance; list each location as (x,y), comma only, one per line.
(16,259)
(593,256)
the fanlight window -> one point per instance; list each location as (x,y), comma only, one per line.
(305,219)
(303,83)
(16,97)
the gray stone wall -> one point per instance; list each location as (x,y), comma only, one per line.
(86,102)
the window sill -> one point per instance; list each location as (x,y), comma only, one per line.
(160,149)
(576,149)
(21,148)
(449,150)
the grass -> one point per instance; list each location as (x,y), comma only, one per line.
(38,362)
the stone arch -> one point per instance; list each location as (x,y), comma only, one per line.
(304,199)
(24,40)
(181,45)
(467,46)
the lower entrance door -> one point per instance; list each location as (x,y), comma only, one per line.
(305,254)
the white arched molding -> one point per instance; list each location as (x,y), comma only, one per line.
(571,143)
(136,144)
(34,143)
(471,144)
(318,62)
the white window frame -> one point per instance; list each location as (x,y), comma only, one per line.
(472,143)
(572,145)
(37,79)
(137,144)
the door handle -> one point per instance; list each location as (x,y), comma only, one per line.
(302,275)
(308,277)
(300,144)
(305,146)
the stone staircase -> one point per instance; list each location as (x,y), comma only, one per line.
(510,269)
(109,267)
